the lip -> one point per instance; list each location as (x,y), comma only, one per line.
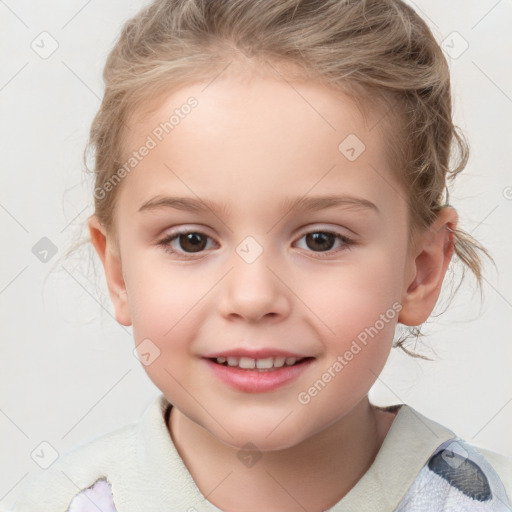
(257,381)
(255,354)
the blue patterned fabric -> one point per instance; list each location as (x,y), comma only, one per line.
(456,478)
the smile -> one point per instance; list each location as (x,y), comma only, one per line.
(262,364)
(257,375)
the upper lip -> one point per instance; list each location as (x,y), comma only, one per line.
(263,353)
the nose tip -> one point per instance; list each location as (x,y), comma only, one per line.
(253,293)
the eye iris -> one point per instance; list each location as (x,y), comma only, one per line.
(192,242)
(320,241)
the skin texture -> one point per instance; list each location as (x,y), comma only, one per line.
(250,144)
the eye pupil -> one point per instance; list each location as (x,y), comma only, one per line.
(192,242)
(320,241)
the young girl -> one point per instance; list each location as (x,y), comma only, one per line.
(269,207)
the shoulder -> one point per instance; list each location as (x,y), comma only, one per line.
(414,425)
(437,470)
(460,476)
(88,470)
(131,467)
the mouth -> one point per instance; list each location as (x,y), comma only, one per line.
(266,364)
(262,373)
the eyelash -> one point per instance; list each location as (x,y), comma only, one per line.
(346,242)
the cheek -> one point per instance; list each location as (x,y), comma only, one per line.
(353,297)
(166,310)
(362,310)
(160,295)
(166,306)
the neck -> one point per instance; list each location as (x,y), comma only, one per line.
(313,475)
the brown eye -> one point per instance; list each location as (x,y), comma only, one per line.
(324,242)
(186,242)
(320,241)
(192,242)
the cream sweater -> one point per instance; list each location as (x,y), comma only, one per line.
(421,466)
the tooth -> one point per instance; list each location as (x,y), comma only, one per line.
(247,362)
(264,363)
(221,360)
(290,361)
(233,361)
(279,361)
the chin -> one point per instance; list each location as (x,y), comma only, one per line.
(258,436)
(250,443)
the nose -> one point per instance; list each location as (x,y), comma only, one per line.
(252,292)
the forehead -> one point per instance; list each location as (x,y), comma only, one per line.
(248,134)
(241,94)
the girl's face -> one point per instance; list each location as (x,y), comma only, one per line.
(261,225)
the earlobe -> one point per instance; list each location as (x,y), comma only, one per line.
(110,258)
(427,268)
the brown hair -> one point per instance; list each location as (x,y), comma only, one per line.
(380,52)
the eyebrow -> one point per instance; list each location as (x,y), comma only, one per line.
(308,203)
(304,203)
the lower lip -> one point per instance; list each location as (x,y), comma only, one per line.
(256,381)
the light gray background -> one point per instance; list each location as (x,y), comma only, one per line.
(67,368)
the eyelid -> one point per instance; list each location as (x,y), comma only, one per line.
(335,230)
(182,229)
(315,227)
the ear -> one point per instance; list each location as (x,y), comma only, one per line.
(432,253)
(110,258)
